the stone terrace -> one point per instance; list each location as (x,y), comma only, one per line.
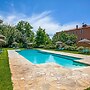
(50,76)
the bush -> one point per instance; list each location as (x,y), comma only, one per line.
(70,48)
(66,47)
(20,45)
(50,46)
(80,48)
(46,46)
(86,50)
(41,46)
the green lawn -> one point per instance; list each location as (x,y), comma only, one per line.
(5,75)
(74,52)
(87,89)
(67,51)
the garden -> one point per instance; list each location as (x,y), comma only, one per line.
(22,36)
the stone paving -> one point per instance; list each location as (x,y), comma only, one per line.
(49,76)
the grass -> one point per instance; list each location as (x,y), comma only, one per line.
(5,75)
(67,51)
(74,52)
(88,88)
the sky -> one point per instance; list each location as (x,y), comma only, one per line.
(51,15)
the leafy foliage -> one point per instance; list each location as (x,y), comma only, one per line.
(26,33)
(21,33)
(41,37)
(70,48)
(64,37)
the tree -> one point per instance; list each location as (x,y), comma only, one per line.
(41,37)
(21,33)
(73,38)
(48,40)
(1,21)
(55,38)
(2,40)
(26,29)
(11,34)
(7,31)
(64,37)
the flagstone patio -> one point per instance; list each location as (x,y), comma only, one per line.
(49,76)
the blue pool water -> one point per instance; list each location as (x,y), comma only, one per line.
(39,57)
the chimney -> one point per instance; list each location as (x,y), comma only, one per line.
(76,26)
(84,25)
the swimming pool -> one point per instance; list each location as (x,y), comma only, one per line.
(40,57)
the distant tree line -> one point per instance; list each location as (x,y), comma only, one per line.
(22,33)
(69,39)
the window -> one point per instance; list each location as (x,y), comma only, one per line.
(76,32)
(81,38)
(81,31)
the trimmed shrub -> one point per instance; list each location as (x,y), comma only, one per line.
(80,48)
(20,45)
(41,46)
(48,46)
(70,48)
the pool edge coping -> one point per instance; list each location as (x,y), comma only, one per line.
(64,53)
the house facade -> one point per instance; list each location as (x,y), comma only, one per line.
(81,32)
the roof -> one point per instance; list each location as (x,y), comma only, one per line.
(14,43)
(2,41)
(84,40)
(58,42)
(69,41)
(79,28)
(30,43)
(2,36)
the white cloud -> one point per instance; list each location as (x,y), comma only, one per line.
(70,26)
(1,17)
(10,19)
(44,20)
